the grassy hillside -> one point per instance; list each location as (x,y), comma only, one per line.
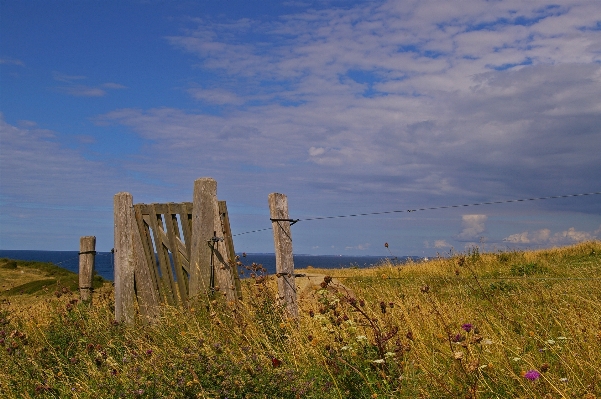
(499,325)
(26,281)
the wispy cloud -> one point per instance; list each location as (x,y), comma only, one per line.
(80,90)
(11,61)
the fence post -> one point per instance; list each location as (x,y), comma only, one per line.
(284,263)
(87,255)
(124,257)
(203,225)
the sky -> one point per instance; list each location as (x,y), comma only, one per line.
(346,107)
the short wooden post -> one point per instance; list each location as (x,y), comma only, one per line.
(124,257)
(284,263)
(87,256)
(203,225)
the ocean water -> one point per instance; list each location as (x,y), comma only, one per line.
(104,260)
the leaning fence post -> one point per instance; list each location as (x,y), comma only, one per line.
(124,257)
(203,223)
(87,254)
(284,263)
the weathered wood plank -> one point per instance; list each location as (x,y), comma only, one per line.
(221,261)
(148,248)
(145,286)
(173,234)
(87,256)
(203,220)
(284,263)
(229,244)
(164,263)
(124,255)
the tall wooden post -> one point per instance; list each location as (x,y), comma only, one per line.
(284,263)
(87,256)
(203,227)
(124,257)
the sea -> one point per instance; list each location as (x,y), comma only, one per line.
(104,262)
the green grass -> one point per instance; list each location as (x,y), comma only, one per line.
(469,326)
(23,278)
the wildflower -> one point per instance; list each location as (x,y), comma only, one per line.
(550,342)
(378,361)
(563,379)
(487,342)
(532,375)
(562,338)
(458,338)
(467,327)
(458,355)
(149,352)
(361,338)
(389,354)
(516,359)
(275,362)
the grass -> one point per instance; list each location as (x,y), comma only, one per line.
(475,325)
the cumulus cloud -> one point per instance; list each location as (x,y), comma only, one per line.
(473,227)
(545,236)
(441,244)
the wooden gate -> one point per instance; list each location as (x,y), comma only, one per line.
(169,253)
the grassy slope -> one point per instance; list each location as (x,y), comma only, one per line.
(469,326)
(30,281)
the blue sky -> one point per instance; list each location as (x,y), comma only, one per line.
(345,106)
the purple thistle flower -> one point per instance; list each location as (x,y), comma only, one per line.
(532,375)
(467,327)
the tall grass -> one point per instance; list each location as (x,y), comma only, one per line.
(474,325)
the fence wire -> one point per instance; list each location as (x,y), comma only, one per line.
(428,209)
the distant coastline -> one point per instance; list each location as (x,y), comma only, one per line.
(104,260)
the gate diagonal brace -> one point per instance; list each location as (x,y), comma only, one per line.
(292,221)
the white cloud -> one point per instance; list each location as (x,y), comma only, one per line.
(545,237)
(216,96)
(473,227)
(360,247)
(441,244)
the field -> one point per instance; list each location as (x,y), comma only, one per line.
(472,325)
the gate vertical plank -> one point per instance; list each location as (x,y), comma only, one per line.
(203,220)
(173,234)
(284,263)
(124,257)
(164,263)
(87,255)
(146,289)
(222,263)
(229,243)
(148,249)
